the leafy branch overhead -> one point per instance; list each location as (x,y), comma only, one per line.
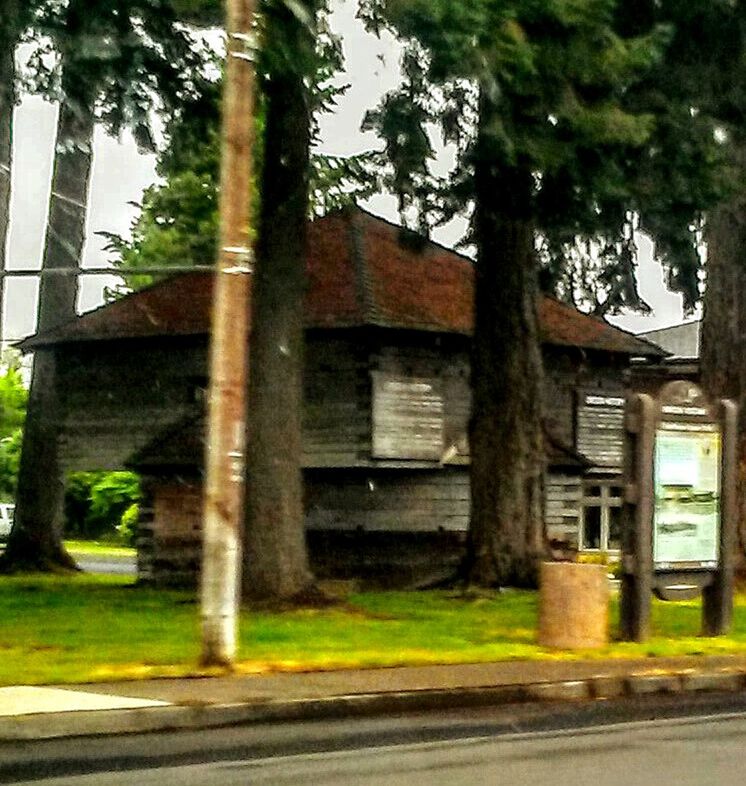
(121,59)
(178,222)
(580,97)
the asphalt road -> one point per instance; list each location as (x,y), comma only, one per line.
(638,742)
(94,563)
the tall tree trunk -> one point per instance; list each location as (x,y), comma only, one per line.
(506,529)
(723,351)
(275,553)
(35,541)
(8,40)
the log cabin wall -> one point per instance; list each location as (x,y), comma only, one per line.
(371,467)
(337,400)
(562,513)
(584,401)
(421,400)
(169,538)
(116,396)
(388,500)
(584,406)
(367,393)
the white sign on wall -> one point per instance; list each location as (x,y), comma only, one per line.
(407,417)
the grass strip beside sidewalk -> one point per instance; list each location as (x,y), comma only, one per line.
(89,628)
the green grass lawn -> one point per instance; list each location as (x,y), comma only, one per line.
(87,628)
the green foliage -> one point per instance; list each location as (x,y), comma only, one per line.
(10,459)
(122,59)
(127,528)
(178,220)
(102,504)
(201,13)
(401,122)
(580,94)
(13,397)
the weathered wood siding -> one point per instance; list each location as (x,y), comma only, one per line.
(116,396)
(441,433)
(600,426)
(407,417)
(560,382)
(373,465)
(383,527)
(388,500)
(563,503)
(347,424)
(582,399)
(169,542)
(336,417)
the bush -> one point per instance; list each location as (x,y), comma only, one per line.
(127,528)
(13,396)
(98,504)
(10,457)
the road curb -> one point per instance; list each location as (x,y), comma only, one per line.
(47,726)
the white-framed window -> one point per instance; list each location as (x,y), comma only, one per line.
(601,516)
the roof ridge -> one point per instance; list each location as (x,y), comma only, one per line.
(428,239)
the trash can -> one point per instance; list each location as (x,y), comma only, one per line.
(573,605)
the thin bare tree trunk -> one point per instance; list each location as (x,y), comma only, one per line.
(35,541)
(8,40)
(275,553)
(506,529)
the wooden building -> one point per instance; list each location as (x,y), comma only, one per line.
(387,403)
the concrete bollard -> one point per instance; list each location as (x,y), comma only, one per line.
(573,606)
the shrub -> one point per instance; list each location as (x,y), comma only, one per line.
(97,504)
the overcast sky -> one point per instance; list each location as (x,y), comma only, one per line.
(120,174)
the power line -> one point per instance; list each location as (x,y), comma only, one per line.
(150,270)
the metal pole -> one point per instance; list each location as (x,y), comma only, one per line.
(223,499)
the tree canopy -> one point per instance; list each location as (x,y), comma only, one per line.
(564,130)
(178,221)
(584,95)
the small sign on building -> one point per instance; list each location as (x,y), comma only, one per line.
(679,512)
(408,417)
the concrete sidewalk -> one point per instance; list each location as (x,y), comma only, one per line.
(152,705)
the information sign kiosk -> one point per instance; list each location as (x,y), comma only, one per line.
(679,513)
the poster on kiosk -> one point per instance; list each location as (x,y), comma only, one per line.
(686,523)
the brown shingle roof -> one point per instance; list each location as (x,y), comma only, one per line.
(360,272)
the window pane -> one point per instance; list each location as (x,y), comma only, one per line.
(615,529)
(593,491)
(592,528)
